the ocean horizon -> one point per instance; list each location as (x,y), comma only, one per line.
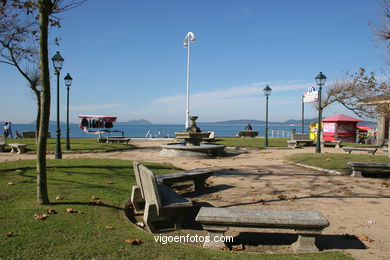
(145,130)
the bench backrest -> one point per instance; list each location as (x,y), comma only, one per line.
(300,137)
(150,187)
(138,177)
(2,139)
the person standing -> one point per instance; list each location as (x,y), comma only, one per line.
(6,130)
(10,130)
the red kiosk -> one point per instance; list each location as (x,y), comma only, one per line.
(340,127)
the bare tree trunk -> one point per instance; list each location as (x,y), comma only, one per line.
(38,118)
(42,193)
(380,137)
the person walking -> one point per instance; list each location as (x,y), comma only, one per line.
(10,130)
(6,130)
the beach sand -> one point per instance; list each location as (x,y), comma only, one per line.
(247,178)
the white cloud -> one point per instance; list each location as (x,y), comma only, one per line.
(246,101)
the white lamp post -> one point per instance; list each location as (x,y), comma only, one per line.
(190,37)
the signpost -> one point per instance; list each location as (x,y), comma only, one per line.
(310,96)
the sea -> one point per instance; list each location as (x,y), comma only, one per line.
(165,130)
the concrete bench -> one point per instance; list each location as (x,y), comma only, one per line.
(299,143)
(162,205)
(385,150)
(198,177)
(358,167)
(20,148)
(369,150)
(32,134)
(337,143)
(118,140)
(247,133)
(307,224)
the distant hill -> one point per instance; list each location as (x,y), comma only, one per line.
(287,122)
(135,122)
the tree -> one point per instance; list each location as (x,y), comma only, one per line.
(353,90)
(18,47)
(25,11)
(383,31)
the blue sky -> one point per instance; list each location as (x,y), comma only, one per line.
(127,58)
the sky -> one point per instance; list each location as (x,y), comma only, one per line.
(127,58)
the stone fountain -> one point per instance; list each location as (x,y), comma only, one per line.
(192,146)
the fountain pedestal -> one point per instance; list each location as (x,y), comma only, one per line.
(192,147)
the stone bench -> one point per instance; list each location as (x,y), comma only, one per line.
(363,149)
(337,143)
(118,140)
(385,150)
(307,224)
(358,167)
(198,177)
(162,205)
(247,133)
(20,148)
(299,143)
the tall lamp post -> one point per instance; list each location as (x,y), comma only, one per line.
(320,80)
(57,63)
(190,37)
(68,81)
(267,92)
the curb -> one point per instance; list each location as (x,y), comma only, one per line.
(315,168)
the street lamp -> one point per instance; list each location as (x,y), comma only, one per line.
(190,37)
(320,80)
(68,81)
(267,92)
(57,63)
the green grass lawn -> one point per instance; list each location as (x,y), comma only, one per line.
(76,144)
(84,235)
(252,142)
(336,161)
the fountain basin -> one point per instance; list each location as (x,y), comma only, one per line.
(186,151)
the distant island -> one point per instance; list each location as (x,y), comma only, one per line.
(291,122)
(135,122)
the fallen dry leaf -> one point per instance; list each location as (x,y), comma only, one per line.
(238,247)
(9,234)
(94,198)
(70,210)
(265,204)
(96,202)
(225,248)
(133,241)
(282,197)
(109,227)
(10,183)
(40,217)
(109,182)
(51,211)
(365,238)
(60,198)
